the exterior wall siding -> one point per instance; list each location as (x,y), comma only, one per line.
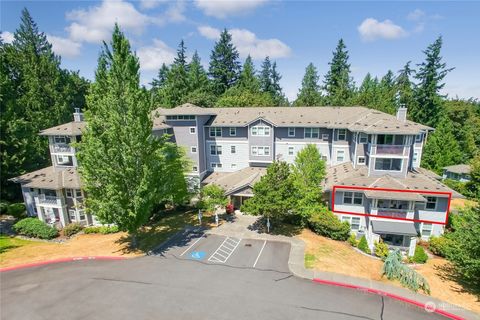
(239,158)
(261,141)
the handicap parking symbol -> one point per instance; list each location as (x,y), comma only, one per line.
(197,255)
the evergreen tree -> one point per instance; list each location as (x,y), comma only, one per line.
(405,88)
(309,94)
(199,86)
(278,96)
(224,65)
(338,84)
(161,79)
(465,119)
(442,148)
(432,71)
(177,85)
(125,169)
(248,79)
(367,94)
(387,91)
(266,83)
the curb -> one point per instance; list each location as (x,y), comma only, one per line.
(42,263)
(426,306)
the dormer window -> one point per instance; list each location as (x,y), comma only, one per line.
(342,134)
(61,139)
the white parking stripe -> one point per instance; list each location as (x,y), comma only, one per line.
(191,246)
(225,250)
(260,253)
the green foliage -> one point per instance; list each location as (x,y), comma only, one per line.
(381,249)
(405,88)
(393,268)
(473,186)
(352,239)
(363,245)
(274,194)
(3,207)
(126,170)
(71,229)
(17,210)
(325,223)
(439,246)
(419,256)
(211,197)
(464,251)
(338,83)
(101,229)
(309,94)
(35,228)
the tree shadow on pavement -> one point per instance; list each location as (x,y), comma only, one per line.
(276,228)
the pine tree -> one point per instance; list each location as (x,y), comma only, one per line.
(159,81)
(177,79)
(387,92)
(224,65)
(442,148)
(309,94)
(405,88)
(367,94)
(338,84)
(266,83)
(125,169)
(430,75)
(278,96)
(200,92)
(248,79)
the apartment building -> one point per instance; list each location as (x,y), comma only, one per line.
(232,147)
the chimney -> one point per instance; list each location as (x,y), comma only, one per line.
(402,113)
(77,115)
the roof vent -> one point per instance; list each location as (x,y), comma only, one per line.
(402,113)
(77,115)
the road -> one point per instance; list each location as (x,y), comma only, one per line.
(194,277)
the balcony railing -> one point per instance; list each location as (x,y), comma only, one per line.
(392,213)
(61,147)
(389,149)
(48,200)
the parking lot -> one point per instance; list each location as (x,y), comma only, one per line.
(230,251)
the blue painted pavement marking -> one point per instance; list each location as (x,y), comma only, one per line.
(197,255)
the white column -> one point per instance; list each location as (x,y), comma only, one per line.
(413,244)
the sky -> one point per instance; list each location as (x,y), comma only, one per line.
(379,35)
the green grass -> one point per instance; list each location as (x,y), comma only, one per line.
(309,260)
(7,243)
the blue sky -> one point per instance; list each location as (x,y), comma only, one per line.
(379,35)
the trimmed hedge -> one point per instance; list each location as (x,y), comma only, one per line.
(325,223)
(419,256)
(32,227)
(363,245)
(381,250)
(17,210)
(101,229)
(439,245)
(72,229)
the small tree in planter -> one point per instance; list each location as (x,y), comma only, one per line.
(211,197)
(363,245)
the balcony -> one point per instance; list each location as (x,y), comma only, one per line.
(392,213)
(61,148)
(389,149)
(52,201)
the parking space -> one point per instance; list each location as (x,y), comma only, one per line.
(231,251)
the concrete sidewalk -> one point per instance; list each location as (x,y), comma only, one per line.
(240,226)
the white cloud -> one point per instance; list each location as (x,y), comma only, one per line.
(7,37)
(371,29)
(96,23)
(224,8)
(152,57)
(64,46)
(416,15)
(247,43)
(150,4)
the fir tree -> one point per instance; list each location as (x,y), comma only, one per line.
(309,94)
(199,85)
(405,88)
(387,92)
(278,96)
(338,84)
(367,94)
(432,71)
(177,84)
(248,79)
(266,83)
(224,65)
(159,81)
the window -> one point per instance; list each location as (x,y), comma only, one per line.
(233,165)
(312,133)
(215,165)
(63,160)
(193,149)
(233,131)
(78,193)
(215,150)
(72,215)
(81,215)
(340,155)
(363,138)
(345,219)
(388,164)
(69,193)
(418,137)
(181,117)
(361,160)
(325,136)
(355,224)
(215,132)
(415,156)
(193,130)
(426,229)
(260,131)
(353,198)
(431,203)
(233,149)
(341,134)
(291,132)
(290,151)
(385,139)
(61,139)
(324,158)
(260,151)
(194,168)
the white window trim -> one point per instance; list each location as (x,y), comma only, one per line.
(291,135)
(257,129)
(423,227)
(233,165)
(255,150)
(362,135)
(214,165)
(72,194)
(217,150)
(70,211)
(233,149)
(291,151)
(336,155)
(401,165)
(420,135)
(317,131)
(364,160)
(353,198)
(193,149)
(359,223)
(234,132)
(387,144)
(338,134)
(214,131)
(325,136)
(436,204)
(194,130)
(194,169)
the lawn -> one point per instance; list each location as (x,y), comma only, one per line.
(15,251)
(335,256)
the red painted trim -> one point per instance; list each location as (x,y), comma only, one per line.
(390,295)
(41,263)
(449,194)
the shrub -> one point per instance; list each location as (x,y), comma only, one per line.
(381,250)
(353,240)
(419,256)
(101,229)
(3,207)
(394,269)
(72,229)
(363,245)
(325,223)
(32,227)
(439,245)
(17,210)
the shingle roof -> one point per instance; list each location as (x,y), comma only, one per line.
(459,168)
(69,129)
(354,118)
(49,178)
(394,227)
(234,181)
